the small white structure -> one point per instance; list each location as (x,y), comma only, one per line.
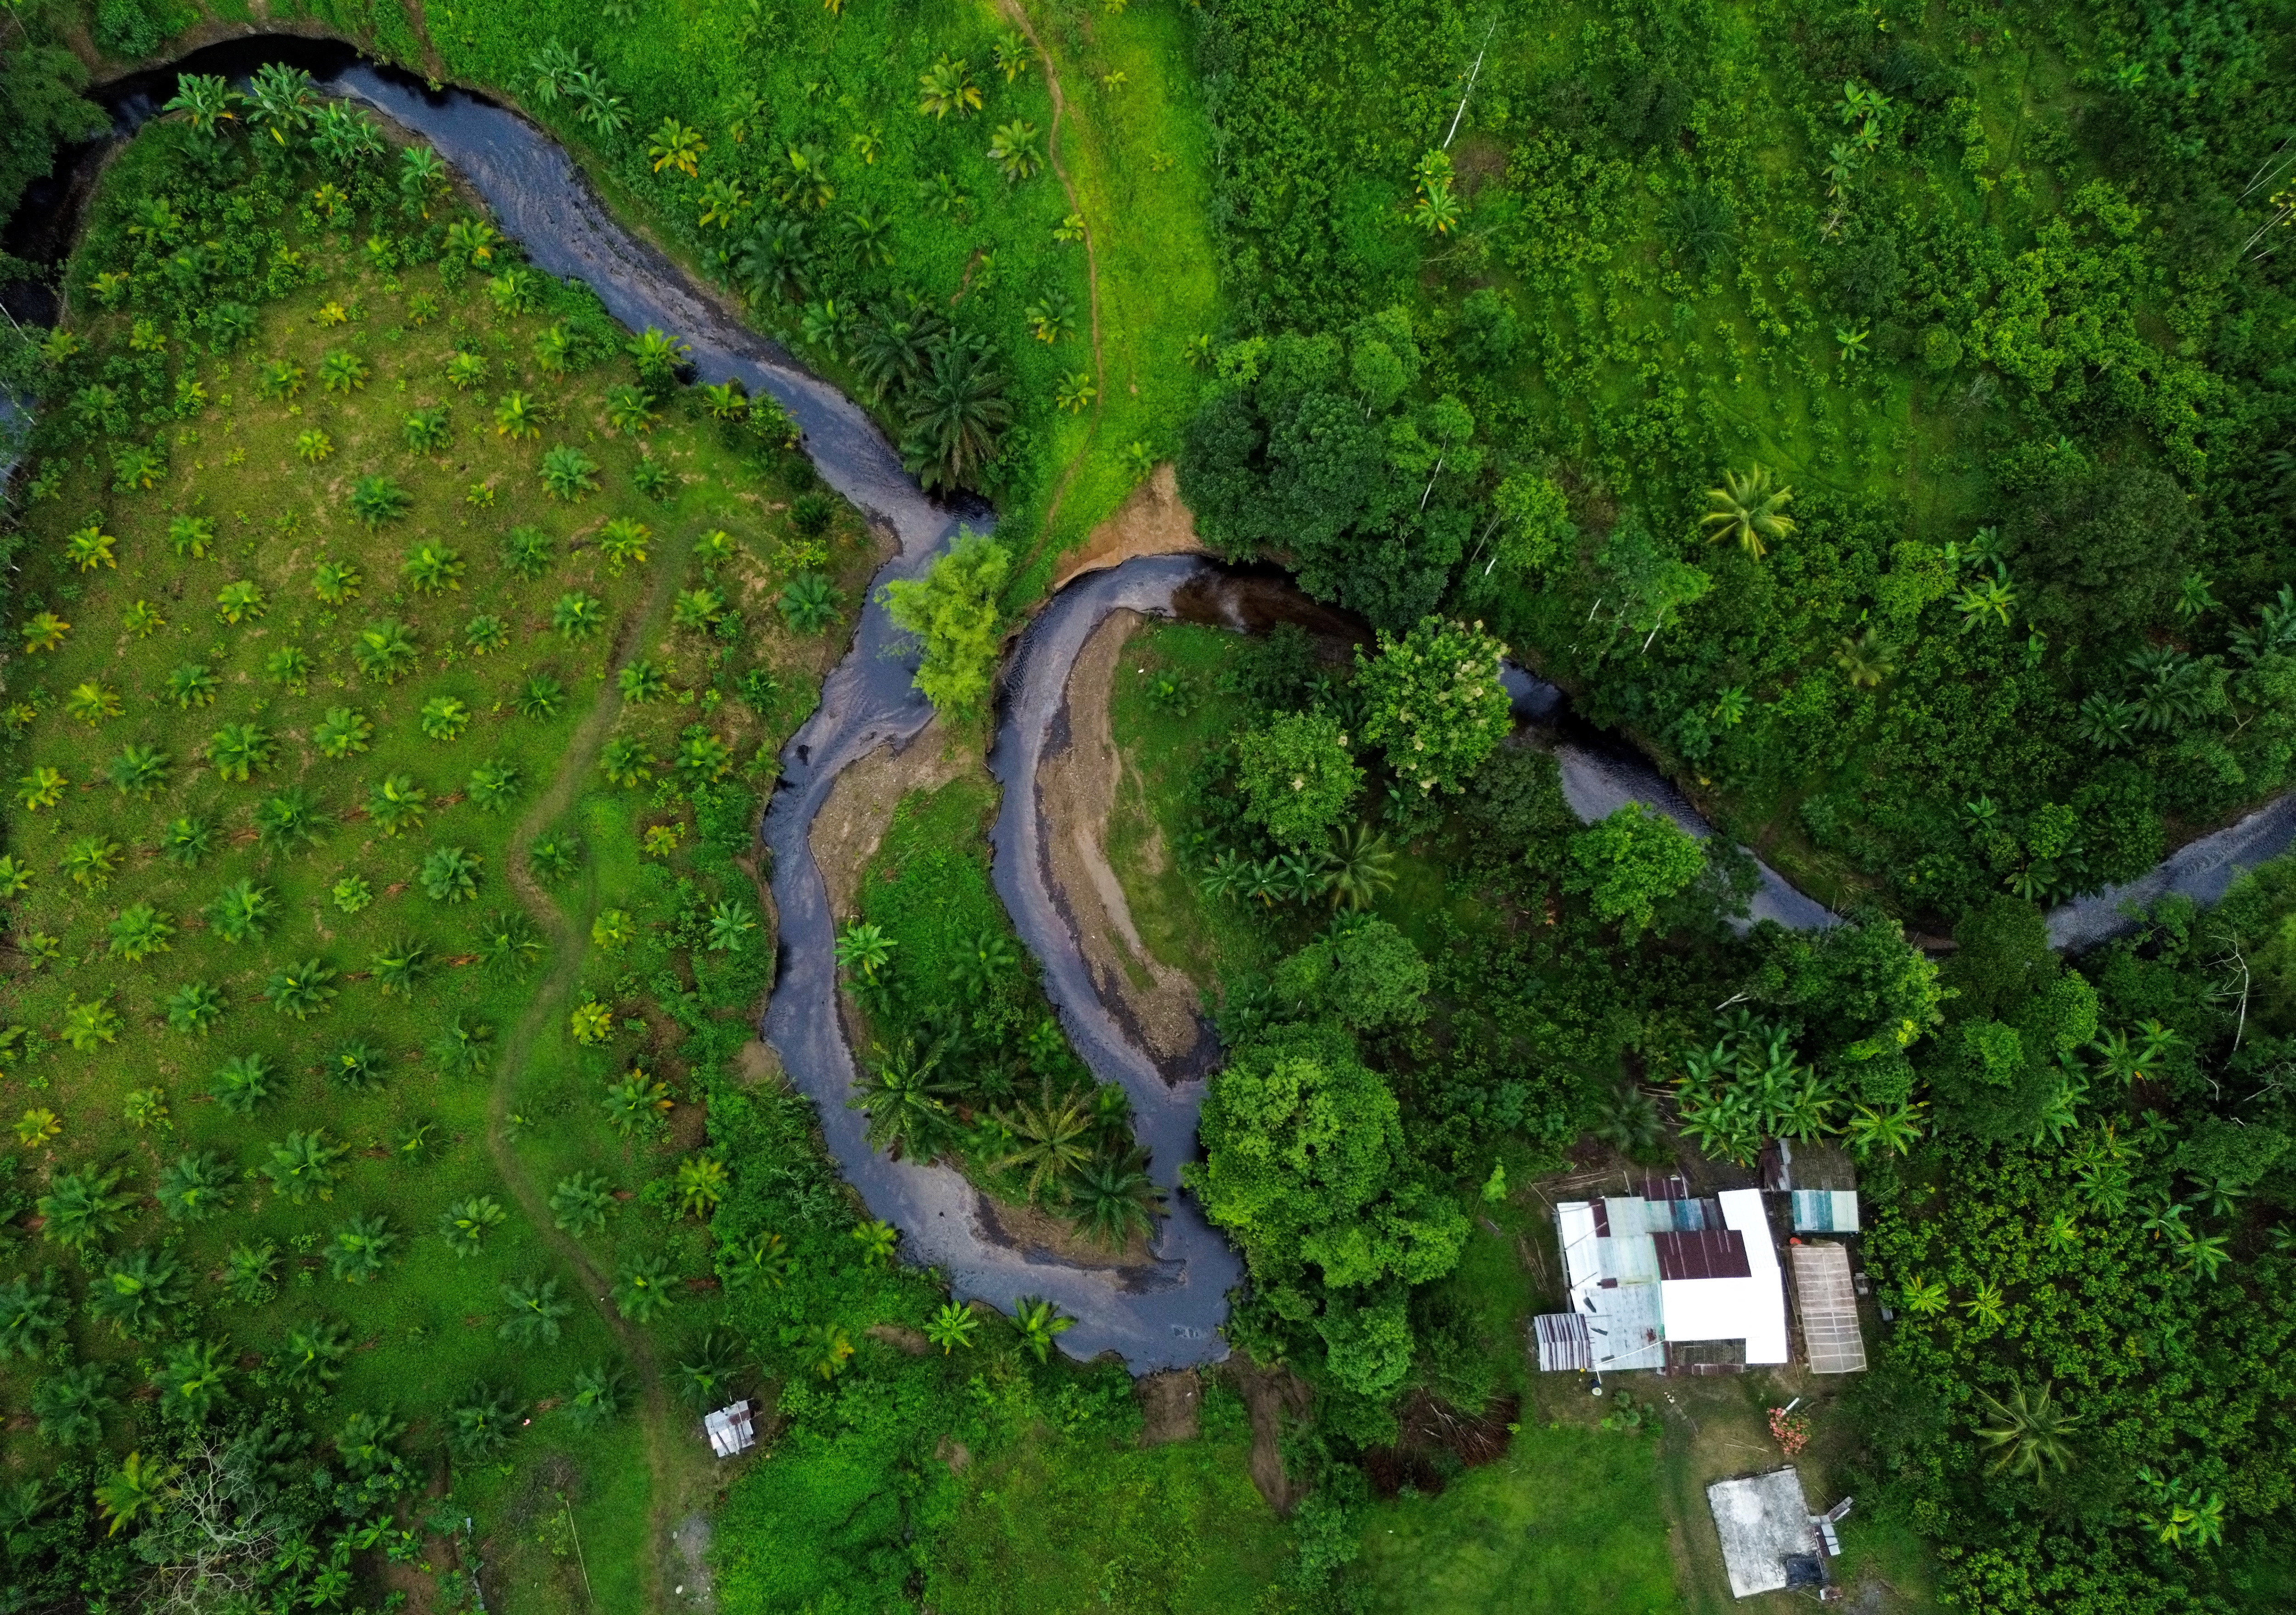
(730,1429)
(1769,1540)
(1646,1271)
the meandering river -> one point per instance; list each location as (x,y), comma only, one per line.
(1165,1314)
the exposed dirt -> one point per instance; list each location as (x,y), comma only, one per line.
(1076,788)
(1171,1404)
(757,1064)
(1436,1441)
(900,1338)
(692,1540)
(1269,1393)
(859,810)
(1152,521)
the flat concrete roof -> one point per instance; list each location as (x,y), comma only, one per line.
(1762,1519)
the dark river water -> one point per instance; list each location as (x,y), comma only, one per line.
(1164,1314)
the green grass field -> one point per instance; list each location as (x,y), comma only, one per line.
(1085,1525)
(1569,1521)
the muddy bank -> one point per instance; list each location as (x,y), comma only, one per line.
(1077,785)
(1152,521)
(852,822)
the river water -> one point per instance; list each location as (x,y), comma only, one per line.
(1165,1314)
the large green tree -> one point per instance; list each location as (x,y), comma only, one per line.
(1307,1168)
(1298,776)
(952,611)
(1433,700)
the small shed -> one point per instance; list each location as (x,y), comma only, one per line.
(730,1429)
(1827,1304)
(1825,1211)
(1768,1540)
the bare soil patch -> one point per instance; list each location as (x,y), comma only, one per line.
(1075,791)
(1269,1393)
(1171,1404)
(1152,521)
(860,807)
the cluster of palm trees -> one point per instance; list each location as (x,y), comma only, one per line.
(949,1088)
(1752,1087)
(1357,870)
(941,384)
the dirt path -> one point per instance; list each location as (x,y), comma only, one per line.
(1018,13)
(676,1468)
(1076,788)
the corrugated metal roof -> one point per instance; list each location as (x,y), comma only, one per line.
(1705,1253)
(1564,1344)
(1828,1306)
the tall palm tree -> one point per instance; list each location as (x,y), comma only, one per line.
(907,1103)
(1749,510)
(955,411)
(1360,869)
(775,264)
(1112,1196)
(2031,1432)
(896,349)
(1052,1138)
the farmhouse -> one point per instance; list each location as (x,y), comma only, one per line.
(1683,1282)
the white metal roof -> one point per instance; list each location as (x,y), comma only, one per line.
(1753,1309)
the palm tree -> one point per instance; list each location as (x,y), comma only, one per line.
(1748,510)
(1050,1137)
(955,411)
(1361,869)
(1040,1321)
(205,100)
(895,349)
(1114,1197)
(947,87)
(282,98)
(1866,660)
(905,1102)
(1014,150)
(2030,1431)
(865,947)
(952,1326)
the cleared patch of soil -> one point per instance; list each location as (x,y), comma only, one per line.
(1152,521)
(860,807)
(690,1539)
(1171,1404)
(1269,1393)
(757,1064)
(900,1338)
(1076,790)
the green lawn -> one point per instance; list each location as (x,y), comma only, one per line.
(1568,1523)
(1084,1525)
